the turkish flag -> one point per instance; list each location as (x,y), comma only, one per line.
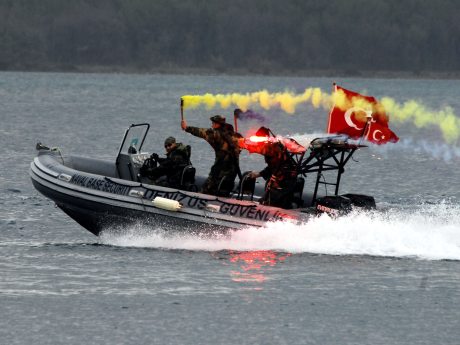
(359,116)
(379,134)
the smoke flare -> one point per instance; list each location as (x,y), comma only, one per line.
(252,115)
(410,111)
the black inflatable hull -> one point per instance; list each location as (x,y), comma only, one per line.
(91,193)
(97,217)
(100,203)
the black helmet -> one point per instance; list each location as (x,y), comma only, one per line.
(218,119)
(170,140)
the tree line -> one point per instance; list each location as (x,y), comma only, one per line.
(255,36)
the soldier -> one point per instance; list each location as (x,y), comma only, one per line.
(168,173)
(223,139)
(280,173)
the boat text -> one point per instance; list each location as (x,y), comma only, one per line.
(102,185)
(246,211)
(184,199)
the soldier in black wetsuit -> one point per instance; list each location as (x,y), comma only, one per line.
(168,173)
(223,139)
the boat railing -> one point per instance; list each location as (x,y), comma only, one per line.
(327,154)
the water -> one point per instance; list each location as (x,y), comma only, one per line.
(390,277)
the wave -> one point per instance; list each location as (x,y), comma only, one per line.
(430,232)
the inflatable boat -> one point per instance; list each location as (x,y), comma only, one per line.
(111,195)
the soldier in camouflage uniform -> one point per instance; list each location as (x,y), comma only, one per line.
(280,173)
(168,173)
(223,140)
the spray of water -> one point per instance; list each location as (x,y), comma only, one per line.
(429,232)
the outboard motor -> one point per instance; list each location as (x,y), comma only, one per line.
(360,200)
(338,205)
(335,205)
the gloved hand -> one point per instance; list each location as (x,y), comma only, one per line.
(254,174)
(154,156)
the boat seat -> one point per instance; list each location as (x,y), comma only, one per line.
(129,165)
(188,179)
(247,186)
(225,186)
(298,192)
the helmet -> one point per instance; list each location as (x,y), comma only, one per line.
(170,140)
(218,119)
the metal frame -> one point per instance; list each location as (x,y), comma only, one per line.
(327,154)
(126,134)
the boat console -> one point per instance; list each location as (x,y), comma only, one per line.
(130,158)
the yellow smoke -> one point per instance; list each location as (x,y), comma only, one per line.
(422,117)
(411,111)
(287,101)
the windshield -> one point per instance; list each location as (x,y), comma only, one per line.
(134,138)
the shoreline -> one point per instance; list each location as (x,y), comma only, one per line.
(441,75)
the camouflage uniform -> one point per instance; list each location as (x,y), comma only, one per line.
(171,167)
(225,144)
(280,172)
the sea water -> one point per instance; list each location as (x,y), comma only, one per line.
(384,277)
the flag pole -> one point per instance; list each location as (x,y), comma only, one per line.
(367,126)
(334,89)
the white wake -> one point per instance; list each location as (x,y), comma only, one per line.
(427,232)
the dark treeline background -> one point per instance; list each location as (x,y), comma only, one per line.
(258,36)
